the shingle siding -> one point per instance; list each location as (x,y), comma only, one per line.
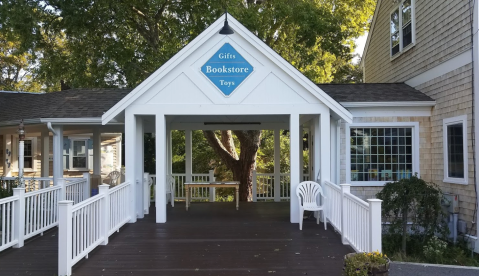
(443,31)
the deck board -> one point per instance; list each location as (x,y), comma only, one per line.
(209,239)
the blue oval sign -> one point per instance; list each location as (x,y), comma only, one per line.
(227,69)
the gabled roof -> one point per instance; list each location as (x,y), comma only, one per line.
(74,103)
(243,33)
(375,92)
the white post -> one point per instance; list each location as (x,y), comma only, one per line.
(325,147)
(45,153)
(65,231)
(139,166)
(255,187)
(277,166)
(97,151)
(86,187)
(160,168)
(19,218)
(316,151)
(63,192)
(130,160)
(301,154)
(375,227)
(295,166)
(146,193)
(345,188)
(57,154)
(211,178)
(8,155)
(105,211)
(189,155)
(21,160)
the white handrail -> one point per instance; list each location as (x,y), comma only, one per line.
(8,213)
(41,210)
(264,185)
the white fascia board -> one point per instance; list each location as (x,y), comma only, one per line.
(163,70)
(370,33)
(255,42)
(391,104)
(17,122)
(292,71)
(76,121)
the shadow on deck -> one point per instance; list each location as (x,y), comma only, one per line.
(209,239)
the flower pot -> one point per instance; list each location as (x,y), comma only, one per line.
(364,264)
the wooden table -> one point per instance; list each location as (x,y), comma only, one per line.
(215,184)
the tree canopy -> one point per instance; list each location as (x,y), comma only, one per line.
(103,43)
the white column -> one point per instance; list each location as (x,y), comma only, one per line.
(21,160)
(130,162)
(139,166)
(277,165)
(8,155)
(295,166)
(316,151)
(160,168)
(57,153)
(97,151)
(300,149)
(170,151)
(189,155)
(45,153)
(334,142)
(325,147)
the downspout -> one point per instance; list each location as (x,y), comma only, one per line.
(49,126)
(475,107)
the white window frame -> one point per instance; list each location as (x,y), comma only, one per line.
(14,166)
(76,139)
(452,121)
(415,149)
(413,29)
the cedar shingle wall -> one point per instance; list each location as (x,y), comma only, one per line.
(453,94)
(442,32)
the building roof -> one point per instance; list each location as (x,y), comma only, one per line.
(74,103)
(92,103)
(374,92)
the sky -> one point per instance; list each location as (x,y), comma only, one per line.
(360,42)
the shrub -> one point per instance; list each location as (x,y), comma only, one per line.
(413,200)
(364,264)
(434,250)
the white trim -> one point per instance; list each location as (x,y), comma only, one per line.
(381,104)
(74,121)
(415,150)
(254,41)
(448,66)
(450,121)
(475,55)
(405,111)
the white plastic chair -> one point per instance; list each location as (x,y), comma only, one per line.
(170,190)
(114,176)
(307,193)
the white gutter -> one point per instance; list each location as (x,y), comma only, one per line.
(382,104)
(49,125)
(77,121)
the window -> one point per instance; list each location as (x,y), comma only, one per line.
(28,154)
(455,150)
(402,26)
(380,154)
(79,154)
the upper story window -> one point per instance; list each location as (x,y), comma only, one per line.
(455,150)
(402,27)
(381,152)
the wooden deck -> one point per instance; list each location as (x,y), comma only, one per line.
(209,239)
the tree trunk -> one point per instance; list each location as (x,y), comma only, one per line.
(243,165)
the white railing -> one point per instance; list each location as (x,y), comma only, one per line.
(147,185)
(84,226)
(31,184)
(41,210)
(8,212)
(77,189)
(267,188)
(26,214)
(359,222)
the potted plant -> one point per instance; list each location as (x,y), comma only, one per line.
(367,263)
